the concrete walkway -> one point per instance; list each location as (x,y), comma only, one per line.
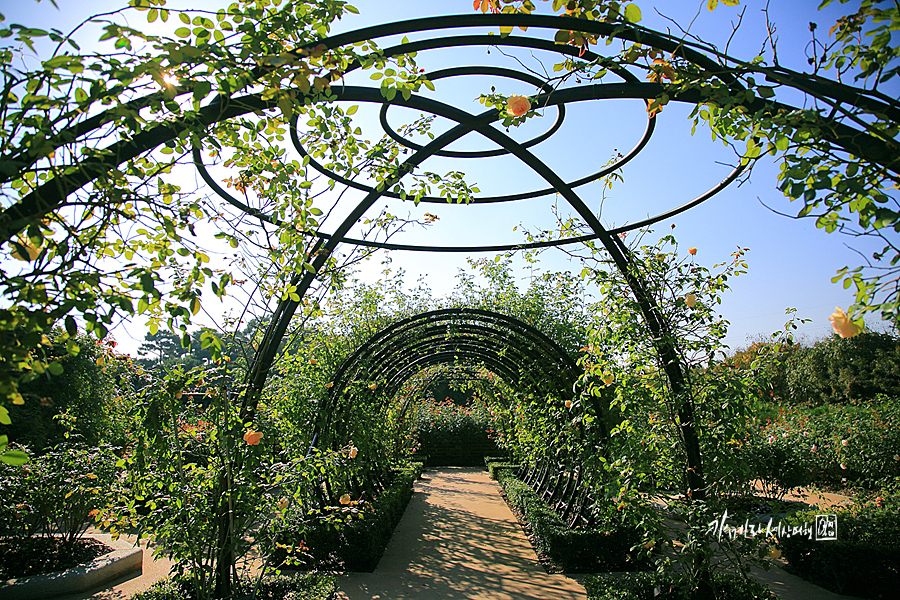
(458,540)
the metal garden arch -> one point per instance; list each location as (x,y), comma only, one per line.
(48,196)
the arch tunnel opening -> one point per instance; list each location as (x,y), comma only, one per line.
(392,370)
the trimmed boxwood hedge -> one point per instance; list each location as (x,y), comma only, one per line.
(364,540)
(863,561)
(302,586)
(573,550)
(359,545)
(650,586)
(854,568)
(495,467)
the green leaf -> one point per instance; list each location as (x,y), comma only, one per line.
(55,368)
(782,142)
(15,458)
(633,13)
(183,32)
(352,109)
(184,18)
(71,325)
(4,416)
(711,4)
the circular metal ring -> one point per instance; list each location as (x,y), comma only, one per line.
(462,71)
(480,40)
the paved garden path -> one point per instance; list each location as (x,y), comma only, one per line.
(458,540)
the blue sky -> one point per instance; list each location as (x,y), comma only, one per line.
(791,262)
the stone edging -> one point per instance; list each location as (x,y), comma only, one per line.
(124,558)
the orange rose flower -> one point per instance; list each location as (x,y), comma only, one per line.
(692,251)
(690,300)
(842,324)
(252,437)
(518,106)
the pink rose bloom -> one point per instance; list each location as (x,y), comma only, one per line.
(518,106)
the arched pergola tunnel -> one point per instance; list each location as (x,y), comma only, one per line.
(481,344)
(415,343)
(524,357)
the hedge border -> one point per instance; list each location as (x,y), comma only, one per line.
(572,550)
(650,586)
(358,546)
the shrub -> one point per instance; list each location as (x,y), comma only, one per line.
(302,586)
(82,390)
(364,540)
(358,544)
(863,561)
(650,586)
(573,550)
(450,434)
(826,445)
(841,370)
(494,468)
(55,493)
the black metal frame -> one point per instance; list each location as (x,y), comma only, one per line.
(49,196)
(515,351)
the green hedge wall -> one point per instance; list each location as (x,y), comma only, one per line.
(573,550)
(358,545)
(649,586)
(863,561)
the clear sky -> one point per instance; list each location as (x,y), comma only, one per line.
(791,262)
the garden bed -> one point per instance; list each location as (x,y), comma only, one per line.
(649,586)
(121,558)
(26,557)
(358,545)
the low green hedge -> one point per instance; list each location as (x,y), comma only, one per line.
(494,467)
(650,586)
(364,540)
(853,568)
(303,586)
(573,550)
(863,561)
(358,545)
